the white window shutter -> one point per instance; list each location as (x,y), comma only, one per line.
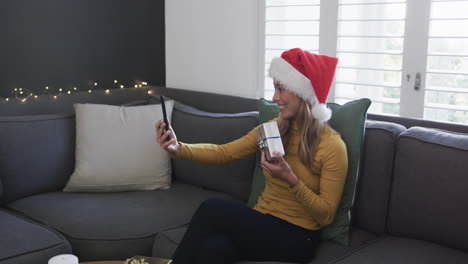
(446,90)
(289,24)
(370,50)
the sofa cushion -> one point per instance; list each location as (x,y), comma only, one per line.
(24,242)
(116,149)
(330,251)
(195,126)
(348,120)
(373,191)
(117,225)
(36,154)
(429,199)
(402,250)
(167,241)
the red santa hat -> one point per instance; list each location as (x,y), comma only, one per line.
(307,75)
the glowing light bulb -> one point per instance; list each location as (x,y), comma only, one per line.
(47,87)
(150,92)
(23,100)
(74,88)
(69,92)
(20,89)
(16,89)
(139,85)
(121,86)
(7,99)
(89,91)
(144,83)
(55,97)
(95,84)
(115,81)
(60,89)
(136,85)
(21,92)
(107,91)
(35,96)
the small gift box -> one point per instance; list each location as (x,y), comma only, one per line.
(269,140)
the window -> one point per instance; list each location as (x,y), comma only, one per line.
(446,91)
(289,23)
(409,57)
(370,50)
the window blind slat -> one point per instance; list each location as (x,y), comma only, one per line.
(292,35)
(446,89)
(392,52)
(375,100)
(370,69)
(447,107)
(374,3)
(369,84)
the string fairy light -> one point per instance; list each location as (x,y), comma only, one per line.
(22,94)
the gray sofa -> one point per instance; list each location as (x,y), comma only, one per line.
(410,204)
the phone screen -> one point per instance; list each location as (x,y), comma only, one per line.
(163,106)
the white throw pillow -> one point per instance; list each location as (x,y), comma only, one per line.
(116,149)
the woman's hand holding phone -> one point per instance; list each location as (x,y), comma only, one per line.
(166,138)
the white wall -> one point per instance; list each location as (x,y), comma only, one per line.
(211,46)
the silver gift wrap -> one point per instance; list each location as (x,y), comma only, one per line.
(269,139)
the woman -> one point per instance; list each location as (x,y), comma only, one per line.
(302,189)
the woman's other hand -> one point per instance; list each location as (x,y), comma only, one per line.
(280,169)
(167,139)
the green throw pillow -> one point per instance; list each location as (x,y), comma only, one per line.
(267,111)
(348,120)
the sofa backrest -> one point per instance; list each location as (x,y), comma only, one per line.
(429,197)
(194,126)
(211,102)
(373,189)
(36,154)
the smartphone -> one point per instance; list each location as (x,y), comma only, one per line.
(163,106)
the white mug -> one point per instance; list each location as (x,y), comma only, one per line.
(64,259)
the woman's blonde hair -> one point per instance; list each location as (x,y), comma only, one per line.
(309,129)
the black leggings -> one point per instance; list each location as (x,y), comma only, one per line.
(225,232)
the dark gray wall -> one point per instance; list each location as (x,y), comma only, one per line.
(66,43)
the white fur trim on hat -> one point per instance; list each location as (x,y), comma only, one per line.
(293,80)
(321,112)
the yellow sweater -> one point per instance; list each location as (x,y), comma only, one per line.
(310,204)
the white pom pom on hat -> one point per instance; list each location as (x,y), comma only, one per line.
(307,75)
(321,112)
